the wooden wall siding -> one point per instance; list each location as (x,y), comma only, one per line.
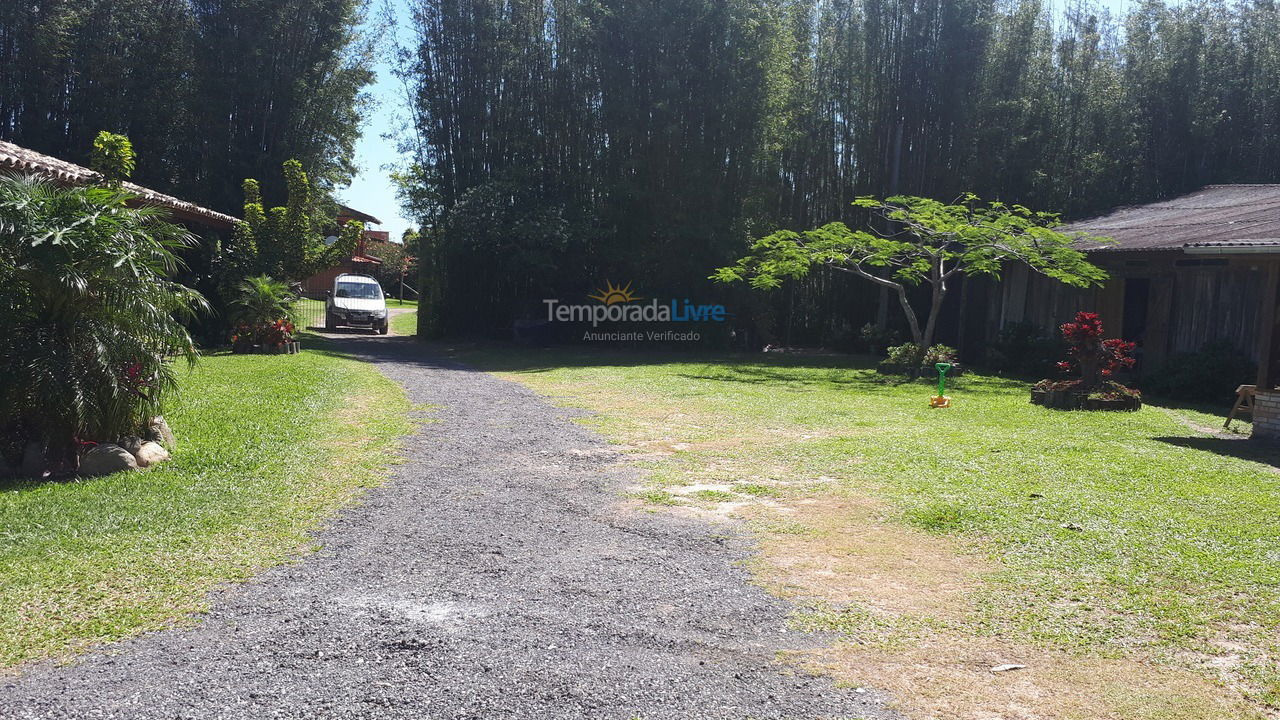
(1031,297)
(1188,306)
(1159,319)
(1217,303)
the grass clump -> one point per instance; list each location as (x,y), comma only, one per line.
(656,497)
(712,495)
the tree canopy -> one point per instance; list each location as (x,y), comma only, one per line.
(554,144)
(209,91)
(929,242)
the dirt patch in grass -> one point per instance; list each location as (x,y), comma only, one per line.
(1116,558)
(950,676)
(903,602)
(853,554)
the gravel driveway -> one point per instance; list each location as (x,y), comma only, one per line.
(499,575)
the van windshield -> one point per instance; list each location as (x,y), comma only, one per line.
(359,290)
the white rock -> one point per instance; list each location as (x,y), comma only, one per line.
(158,431)
(151,453)
(105,458)
(1007,667)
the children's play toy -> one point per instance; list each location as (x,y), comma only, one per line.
(941,400)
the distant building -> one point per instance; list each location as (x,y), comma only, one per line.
(361,262)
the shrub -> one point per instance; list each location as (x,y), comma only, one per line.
(1024,348)
(1211,374)
(1094,358)
(910,355)
(876,339)
(262,311)
(907,354)
(89,319)
(940,354)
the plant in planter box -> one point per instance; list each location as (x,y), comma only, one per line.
(911,359)
(263,314)
(939,354)
(1096,360)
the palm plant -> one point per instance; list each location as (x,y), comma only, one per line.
(262,309)
(89,319)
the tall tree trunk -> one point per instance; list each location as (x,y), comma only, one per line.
(935,308)
(912,321)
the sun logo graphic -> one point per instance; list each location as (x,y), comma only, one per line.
(614,294)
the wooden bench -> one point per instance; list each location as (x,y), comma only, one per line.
(1244,403)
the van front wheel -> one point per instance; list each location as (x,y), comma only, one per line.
(384,327)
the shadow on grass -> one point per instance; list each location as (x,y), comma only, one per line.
(1241,447)
(852,375)
(854,372)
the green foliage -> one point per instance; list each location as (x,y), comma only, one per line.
(913,356)
(113,157)
(876,339)
(928,243)
(261,300)
(395,262)
(89,319)
(1024,348)
(211,92)
(299,247)
(285,241)
(663,157)
(1211,374)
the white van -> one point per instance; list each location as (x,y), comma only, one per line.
(355,301)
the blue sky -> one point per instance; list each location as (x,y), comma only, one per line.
(372,191)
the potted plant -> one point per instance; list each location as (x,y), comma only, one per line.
(263,313)
(912,360)
(1096,361)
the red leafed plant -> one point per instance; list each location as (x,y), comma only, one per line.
(1094,358)
(265,334)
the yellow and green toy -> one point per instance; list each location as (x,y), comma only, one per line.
(941,400)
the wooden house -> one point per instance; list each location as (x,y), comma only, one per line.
(1200,267)
(17,159)
(361,262)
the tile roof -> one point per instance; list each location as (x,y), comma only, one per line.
(1216,215)
(350,212)
(20,159)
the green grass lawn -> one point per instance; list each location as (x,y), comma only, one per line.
(268,447)
(1108,534)
(405,324)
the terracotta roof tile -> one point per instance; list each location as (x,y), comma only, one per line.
(14,157)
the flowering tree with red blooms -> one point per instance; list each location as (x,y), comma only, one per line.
(1096,359)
